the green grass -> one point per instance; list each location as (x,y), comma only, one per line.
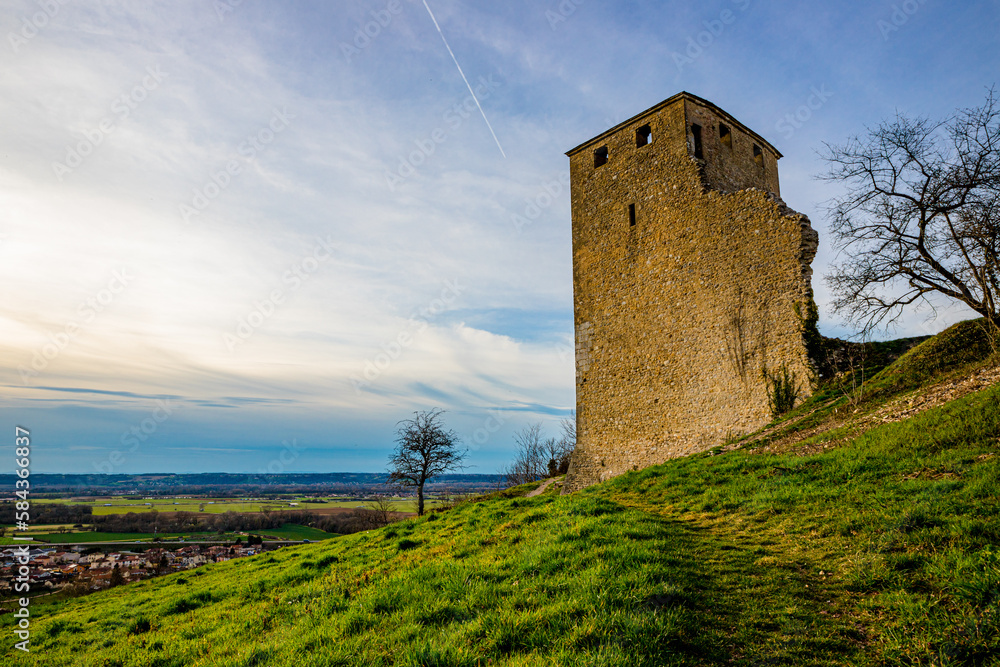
(880,551)
(961,348)
(954,353)
(290,531)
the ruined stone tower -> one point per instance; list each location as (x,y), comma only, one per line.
(691,286)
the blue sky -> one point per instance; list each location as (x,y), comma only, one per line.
(238,236)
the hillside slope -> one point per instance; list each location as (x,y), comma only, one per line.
(859,541)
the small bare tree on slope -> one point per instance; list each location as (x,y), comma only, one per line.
(920,216)
(424,450)
(538,458)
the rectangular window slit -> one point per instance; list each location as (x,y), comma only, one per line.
(631,215)
(601,156)
(696,131)
(643,136)
(758,156)
(725,135)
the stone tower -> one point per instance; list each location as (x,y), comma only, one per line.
(691,286)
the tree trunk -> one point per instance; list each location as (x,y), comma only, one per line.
(420,499)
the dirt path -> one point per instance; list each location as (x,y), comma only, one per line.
(541,489)
(907,406)
(895,410)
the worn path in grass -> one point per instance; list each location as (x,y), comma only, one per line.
(541,489)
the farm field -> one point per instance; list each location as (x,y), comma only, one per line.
(286,532)
(118,505)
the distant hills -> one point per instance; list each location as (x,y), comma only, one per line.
(229,484)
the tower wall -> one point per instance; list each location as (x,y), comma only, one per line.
(690,278)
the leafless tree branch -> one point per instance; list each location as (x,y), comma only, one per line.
(920,217)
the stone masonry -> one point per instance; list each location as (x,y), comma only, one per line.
(691,284)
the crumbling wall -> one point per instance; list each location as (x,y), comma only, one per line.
(680,315)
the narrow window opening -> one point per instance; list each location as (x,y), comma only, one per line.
(631,215)
(758,156)
(601,156)
(696,131)
(643,136)
(725,135)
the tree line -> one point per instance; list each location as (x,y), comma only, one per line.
(226,522)
(48,513)
(538,457)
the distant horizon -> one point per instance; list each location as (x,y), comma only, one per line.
(4,476)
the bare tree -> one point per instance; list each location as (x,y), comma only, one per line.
(529,463)
(560,454)
(382,509)
(857,357)
(424,450)
(920,217)
(538,458)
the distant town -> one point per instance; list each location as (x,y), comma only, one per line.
(83,568)
(90,532)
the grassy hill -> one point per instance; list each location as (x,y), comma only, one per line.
(861,530)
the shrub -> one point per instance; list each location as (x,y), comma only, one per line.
(782,391)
